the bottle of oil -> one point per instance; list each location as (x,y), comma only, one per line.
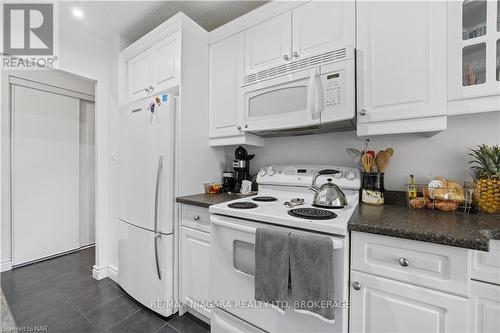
(412,188)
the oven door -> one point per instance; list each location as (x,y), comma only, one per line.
(288,101)
(232,267)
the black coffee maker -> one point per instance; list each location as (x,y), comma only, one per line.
(241,166)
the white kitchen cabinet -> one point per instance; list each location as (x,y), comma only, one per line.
(473,56)
(401,66)
(226,67)
(268,44)
(485,308)
(486,265)
(138,68)
(155,69)
(165,63)
(225,79)
(321,26)
(194,261)
(382,305)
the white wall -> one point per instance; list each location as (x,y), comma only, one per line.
(444,154)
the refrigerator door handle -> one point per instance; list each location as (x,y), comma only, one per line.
(157,260)
(157,193)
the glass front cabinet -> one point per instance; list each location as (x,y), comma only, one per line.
(473,56)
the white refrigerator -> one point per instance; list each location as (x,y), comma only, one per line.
(146,212)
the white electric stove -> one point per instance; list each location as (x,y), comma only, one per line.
(232,253)
(280,184)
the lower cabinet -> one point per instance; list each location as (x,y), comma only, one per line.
(485,308)
(194,269)
(382,305)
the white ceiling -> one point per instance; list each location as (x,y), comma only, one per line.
(133,19)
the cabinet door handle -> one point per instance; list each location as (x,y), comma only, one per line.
(286,57)
(238,128)
(151,88)
(246,125)
(295,54)
(146,90)
(356,286)
(362,112)
(196,218)
(404,262)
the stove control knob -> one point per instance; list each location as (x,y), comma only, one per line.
(262,172)
(270,171)
(337,175)
(349,175)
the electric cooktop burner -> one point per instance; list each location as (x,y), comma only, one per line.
(265,199)
(312,214)
(243,205)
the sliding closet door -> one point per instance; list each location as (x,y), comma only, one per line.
(45,174)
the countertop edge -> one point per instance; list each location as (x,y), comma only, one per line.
(472,244)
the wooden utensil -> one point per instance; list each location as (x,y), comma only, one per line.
(367,161)
(382,160)
(390,151)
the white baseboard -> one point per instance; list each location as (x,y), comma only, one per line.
(101,272)
(6,265)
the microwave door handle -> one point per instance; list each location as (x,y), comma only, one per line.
(319,102)
(312,95)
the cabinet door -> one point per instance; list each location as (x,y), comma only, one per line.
(195,270)
(225,79)
(485,308)
(268,44)
(320,26)
(138,69)
(401,63)
(473,56)
(165,63)
(383,305)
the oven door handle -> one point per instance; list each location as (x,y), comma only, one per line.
(217,221)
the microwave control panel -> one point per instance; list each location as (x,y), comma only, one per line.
(333,89)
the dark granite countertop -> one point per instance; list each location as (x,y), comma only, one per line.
(206,200)
(472,231)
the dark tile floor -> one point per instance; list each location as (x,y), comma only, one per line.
(59,295)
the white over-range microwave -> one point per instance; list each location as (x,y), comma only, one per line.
(305,96)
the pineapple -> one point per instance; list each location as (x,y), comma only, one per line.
(486,168)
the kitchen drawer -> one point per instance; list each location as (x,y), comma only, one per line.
(486,265)
(195,217)
(423,264)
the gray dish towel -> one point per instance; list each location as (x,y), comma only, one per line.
(311,270)
(271,267)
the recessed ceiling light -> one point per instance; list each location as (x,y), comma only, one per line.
(78,13)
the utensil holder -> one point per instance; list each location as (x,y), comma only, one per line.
(372,189)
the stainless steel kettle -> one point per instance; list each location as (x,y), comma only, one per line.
(329,195)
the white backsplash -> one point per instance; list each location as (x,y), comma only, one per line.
(443,154)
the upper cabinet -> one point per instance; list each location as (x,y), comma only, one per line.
(307,30)
(473,56)
(138,75)
(226,66)
(268,44)
(155,69)
(320,26)
(225,78)
(165,62)
(401,66)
